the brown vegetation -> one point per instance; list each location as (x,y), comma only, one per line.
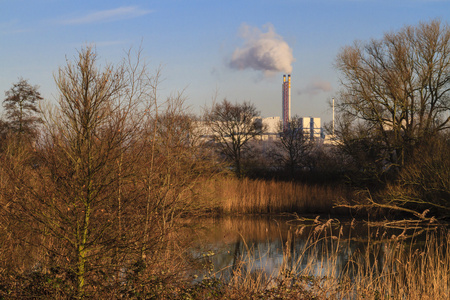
(94,202)
(253,196)
(393,117)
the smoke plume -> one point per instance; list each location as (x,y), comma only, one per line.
(262,51)
(315,87)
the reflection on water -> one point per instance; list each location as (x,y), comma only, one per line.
(271,245)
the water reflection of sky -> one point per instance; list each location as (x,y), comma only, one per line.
(271,245)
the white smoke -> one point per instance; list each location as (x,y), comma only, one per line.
(315,87)
(262,51)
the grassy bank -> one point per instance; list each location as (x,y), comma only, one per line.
(253,196)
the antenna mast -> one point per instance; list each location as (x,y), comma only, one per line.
(333,116)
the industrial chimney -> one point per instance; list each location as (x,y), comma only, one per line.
(286,101)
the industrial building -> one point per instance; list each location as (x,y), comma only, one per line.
(310,126)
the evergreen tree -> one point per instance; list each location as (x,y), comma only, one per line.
(22,112)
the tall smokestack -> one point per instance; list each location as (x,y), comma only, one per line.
(286,101)
(289,99)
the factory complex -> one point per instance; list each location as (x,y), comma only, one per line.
(310,126)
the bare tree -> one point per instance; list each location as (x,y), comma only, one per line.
(21,106)
(293,146)
(76,194)
(394,114)
(362,151)
(398,88)
(114,169)
(233,126)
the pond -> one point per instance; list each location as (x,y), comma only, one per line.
(271,245)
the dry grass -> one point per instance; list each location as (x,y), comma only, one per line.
(249,196)
(405,273)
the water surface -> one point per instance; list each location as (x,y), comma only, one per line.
(318,247)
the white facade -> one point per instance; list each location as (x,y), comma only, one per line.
(273,128)
(311,128)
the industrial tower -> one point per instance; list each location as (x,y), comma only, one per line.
(286,101)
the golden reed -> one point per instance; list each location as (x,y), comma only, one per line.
(254,196)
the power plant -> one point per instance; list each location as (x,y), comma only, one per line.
(310,126)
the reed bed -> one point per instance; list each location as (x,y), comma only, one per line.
(394,267)
(248,196)
(407,273)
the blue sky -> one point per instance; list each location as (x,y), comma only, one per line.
(238,50)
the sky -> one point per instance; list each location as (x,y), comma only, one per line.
(209,49)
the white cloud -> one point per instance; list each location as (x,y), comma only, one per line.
(12,27)
(262,51)
(121,13)
(99,44)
